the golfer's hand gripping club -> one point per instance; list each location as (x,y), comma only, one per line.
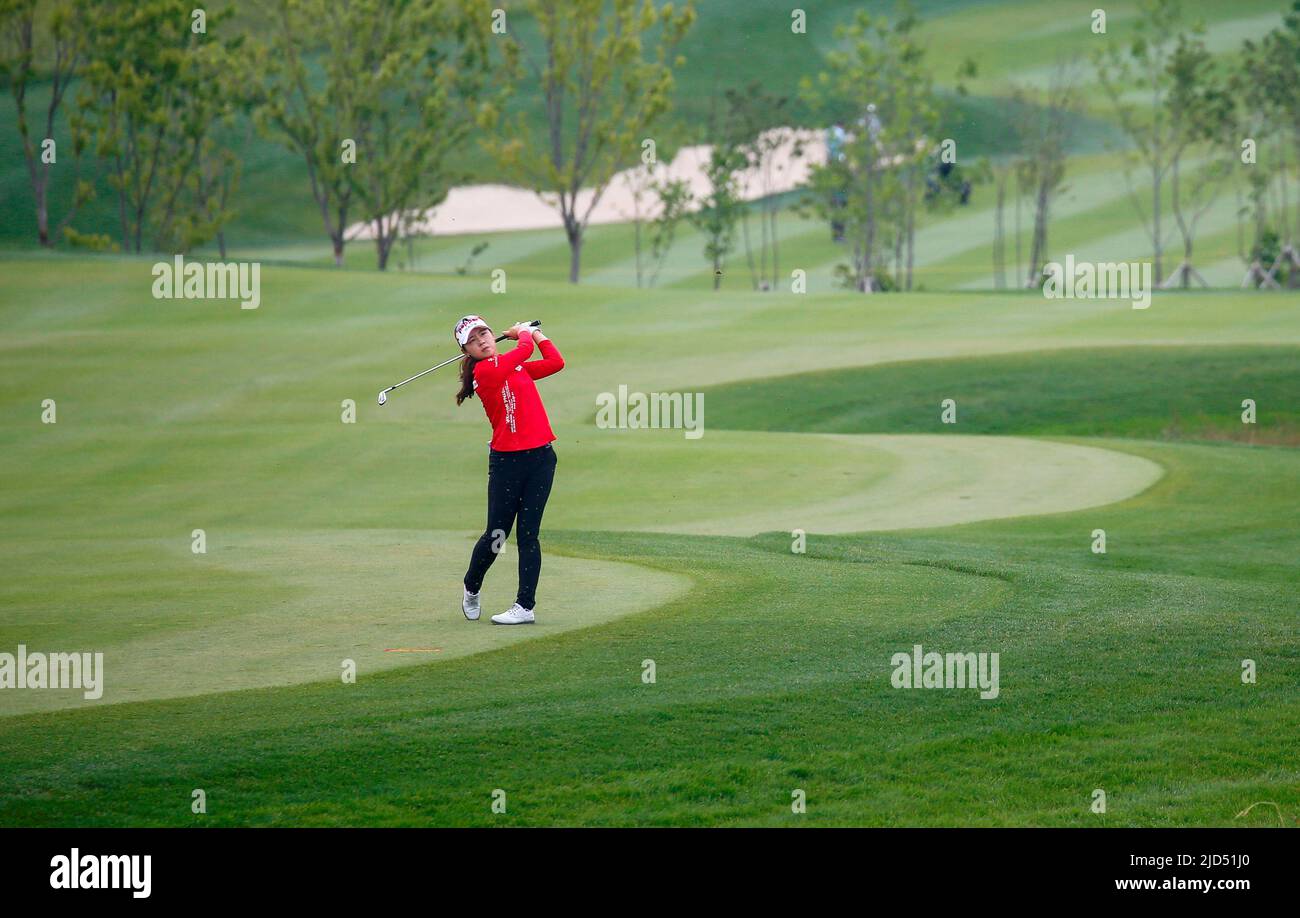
(533,324)
(383,396)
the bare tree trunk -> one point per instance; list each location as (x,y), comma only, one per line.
(1019,195)
(575,253)
(1038,252)
(911,240)
(899,233)
(67,56)
(868,272)
(42,216)
(1296,137)
(636,243)
(1155,219)
(1184,270)
(1290,229)
(749,250)
(776,268)
(384,237)
(999,235)
(121,211)
(1286,207)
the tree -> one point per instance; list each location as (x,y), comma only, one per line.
(660,205)
(640,182)
(216,171)
(1144,68)
(1043,130)
(417,99)
(716,217)
(398,88)
(674,199)
(875,188)
(154,88)
(752,114)
(200,174)
(909,138)
(1000,172)
(1202,118)
(66,48)
(1267,86)
(311,120)
(601,96)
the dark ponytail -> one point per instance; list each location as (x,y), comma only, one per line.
(466,379)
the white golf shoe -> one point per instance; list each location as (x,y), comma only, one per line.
(515,615)
(469,605)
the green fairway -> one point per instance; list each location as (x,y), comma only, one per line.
(328,541)
(741,484)
(275,608)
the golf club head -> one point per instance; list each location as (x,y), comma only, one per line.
(383,397)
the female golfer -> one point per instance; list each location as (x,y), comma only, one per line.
(521,462)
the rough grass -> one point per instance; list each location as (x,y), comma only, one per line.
(1179,393)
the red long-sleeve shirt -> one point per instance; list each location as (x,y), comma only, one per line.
(505,385)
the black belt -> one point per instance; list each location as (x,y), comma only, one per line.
(519,452)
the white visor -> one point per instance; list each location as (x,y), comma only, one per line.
(466,326)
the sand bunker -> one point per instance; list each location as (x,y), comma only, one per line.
(499,208)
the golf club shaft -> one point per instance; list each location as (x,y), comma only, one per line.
(425,373)
(534,324)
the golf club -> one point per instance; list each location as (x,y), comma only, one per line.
(383,396)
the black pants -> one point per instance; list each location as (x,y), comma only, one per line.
(518,485)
